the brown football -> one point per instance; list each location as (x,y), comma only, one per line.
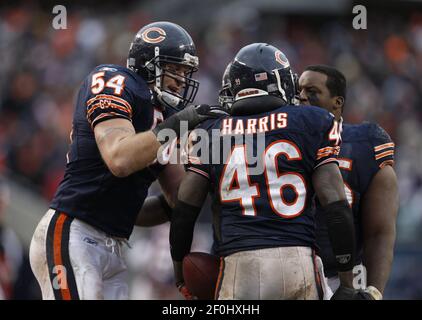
(200,271)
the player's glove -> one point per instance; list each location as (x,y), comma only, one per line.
(370,293)
(344,293)
(185,292)
(193,115)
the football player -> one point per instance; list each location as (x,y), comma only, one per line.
(366,164)
(75,252)
(263,223)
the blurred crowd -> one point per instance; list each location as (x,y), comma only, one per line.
(41,69)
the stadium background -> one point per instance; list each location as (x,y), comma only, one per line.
(41,69)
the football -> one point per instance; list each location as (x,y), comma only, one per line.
(200,271)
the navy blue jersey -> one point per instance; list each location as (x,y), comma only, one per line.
(365,149)
(272,207)
(88,190)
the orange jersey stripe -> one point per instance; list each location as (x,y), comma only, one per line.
(384,154)
(112,105)
(110,97)
(107,115)
(57,252)
(386,163)
(384,146)
(325,149)
(325,153)
(326,161)
(319,156)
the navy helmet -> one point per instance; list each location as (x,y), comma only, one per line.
(260,69)
(158,44)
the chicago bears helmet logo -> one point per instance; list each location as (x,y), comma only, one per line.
(281,59)
(153,35)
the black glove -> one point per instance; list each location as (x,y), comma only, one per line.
(344,293)
(205,112)
(370,293)
(193,115)
(363,295)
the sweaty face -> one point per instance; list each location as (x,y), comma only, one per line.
(313,90)
(173,78)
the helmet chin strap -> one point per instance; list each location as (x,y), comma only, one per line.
(167,99)
(279,87)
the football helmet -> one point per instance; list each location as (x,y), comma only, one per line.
(156,45)
(260,69)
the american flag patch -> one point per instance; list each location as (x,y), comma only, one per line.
(261,76)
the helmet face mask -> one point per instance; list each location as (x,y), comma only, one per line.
(225,97)
(163,66)
(157,46)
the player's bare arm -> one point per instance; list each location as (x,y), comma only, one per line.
(329,188)
(380,206)
(328,184)
(169,180)
(154,211)
(124,151)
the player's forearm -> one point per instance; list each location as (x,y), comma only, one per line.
(328,184)
(346,278)
(178,271)
(134,153)
(378,255)
(181,229)
(154,211)
(342,237)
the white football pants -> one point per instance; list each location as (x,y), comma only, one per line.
(73,260)
(270,274)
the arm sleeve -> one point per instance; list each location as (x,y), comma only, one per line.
(383,146)
(181,229)
(109,97)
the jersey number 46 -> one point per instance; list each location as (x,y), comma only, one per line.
(235,184)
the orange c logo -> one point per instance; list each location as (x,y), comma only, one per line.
(281,59)
(150,39)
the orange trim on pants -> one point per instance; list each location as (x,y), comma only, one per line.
(57,249)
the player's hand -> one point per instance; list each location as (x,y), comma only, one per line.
(185,292)
(210,112)
(370,293)
(344,293)
(193,115)
(363,295)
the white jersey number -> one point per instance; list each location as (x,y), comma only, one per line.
(235,183)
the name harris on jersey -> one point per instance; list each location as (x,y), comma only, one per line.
(269,122)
